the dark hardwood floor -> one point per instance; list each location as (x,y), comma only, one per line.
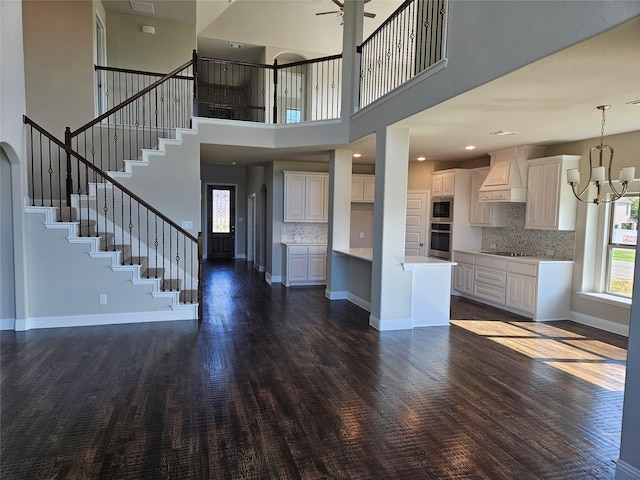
(280,383)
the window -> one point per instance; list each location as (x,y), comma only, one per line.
(621,248)
(293,115)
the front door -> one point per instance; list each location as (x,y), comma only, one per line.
(221,221)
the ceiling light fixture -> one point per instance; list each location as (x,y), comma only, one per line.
(598,173)
(357,155)
(470,147)
(421,159)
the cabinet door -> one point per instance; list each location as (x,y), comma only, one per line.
(436,186)
(357,189)
(317,267)
(294,198)
(297,269)
(315,198)
(458,277)
(369,188)
(479,212)
(543,196)
(448,184)
(468,272)
(521,292)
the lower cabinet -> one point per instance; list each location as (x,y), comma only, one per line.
(538,289)
(305,265)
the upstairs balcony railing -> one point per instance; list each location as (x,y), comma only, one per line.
(304,91)
(410,41)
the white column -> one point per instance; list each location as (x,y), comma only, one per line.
(391,285)
(339,223)
(351,38)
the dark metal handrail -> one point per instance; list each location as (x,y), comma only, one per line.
(136,72)
(43,151)
(130,100)
(410,41)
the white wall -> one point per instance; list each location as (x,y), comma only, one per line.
(58,52)
(128,47)
(7,272)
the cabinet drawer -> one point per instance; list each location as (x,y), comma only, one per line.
(489,276)
(317,250)
(297,250)
(523,268)
(490,292)
(491,262)
(462,257)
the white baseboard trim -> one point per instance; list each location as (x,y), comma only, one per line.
(259,268)
(335,295)
(240,256)
(395,324)
(624,471)
(271,279)
(7,323)
(105,319)
(601,323)
(361,302)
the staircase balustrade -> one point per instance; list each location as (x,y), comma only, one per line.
(410,41)
(106,209)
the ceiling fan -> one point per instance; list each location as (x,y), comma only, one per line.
(341,11)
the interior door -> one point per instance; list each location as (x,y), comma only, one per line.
(417,221)
(221,221)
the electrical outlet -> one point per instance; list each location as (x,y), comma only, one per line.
(550,253)
(492,246)
(103,299)
(361,234)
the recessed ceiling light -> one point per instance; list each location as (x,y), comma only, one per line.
(143,7)
(503,133)
(421,159)
(470,147)
(357,155)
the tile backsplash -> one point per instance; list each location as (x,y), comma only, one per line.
(514,238)
(304,232)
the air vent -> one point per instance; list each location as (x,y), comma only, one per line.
(503,133)
(634,102)
(235,45)
(142,7)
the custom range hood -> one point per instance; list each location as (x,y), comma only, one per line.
(507,177)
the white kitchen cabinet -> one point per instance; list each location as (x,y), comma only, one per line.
(305,265)
(306,197)
(443,184)
(550,203)
(463,272)
(539,289)
(363,188)
(484,214)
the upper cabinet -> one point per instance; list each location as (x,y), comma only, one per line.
(306,196)
(363,188)
(483,214)
(443,184)
(551,204)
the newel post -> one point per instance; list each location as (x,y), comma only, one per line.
(275,91)
(69,182)
(195,82)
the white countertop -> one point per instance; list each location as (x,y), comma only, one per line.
(309,244)
(411,262)
(361,253)
(527,259)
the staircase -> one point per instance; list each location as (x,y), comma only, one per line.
(75,186)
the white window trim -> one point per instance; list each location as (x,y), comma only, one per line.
(607,298)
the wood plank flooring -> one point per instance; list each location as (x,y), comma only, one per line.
(281,383)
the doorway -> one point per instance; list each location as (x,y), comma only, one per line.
(101,60)
(221,228)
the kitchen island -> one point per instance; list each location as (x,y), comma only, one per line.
(430,291)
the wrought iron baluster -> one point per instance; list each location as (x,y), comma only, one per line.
(130,233)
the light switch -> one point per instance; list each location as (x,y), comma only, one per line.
(187,224)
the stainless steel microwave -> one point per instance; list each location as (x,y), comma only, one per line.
(442,209)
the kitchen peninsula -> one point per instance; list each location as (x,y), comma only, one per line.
(430,291)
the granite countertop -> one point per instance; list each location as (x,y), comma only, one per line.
(531,259)
(304,242)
